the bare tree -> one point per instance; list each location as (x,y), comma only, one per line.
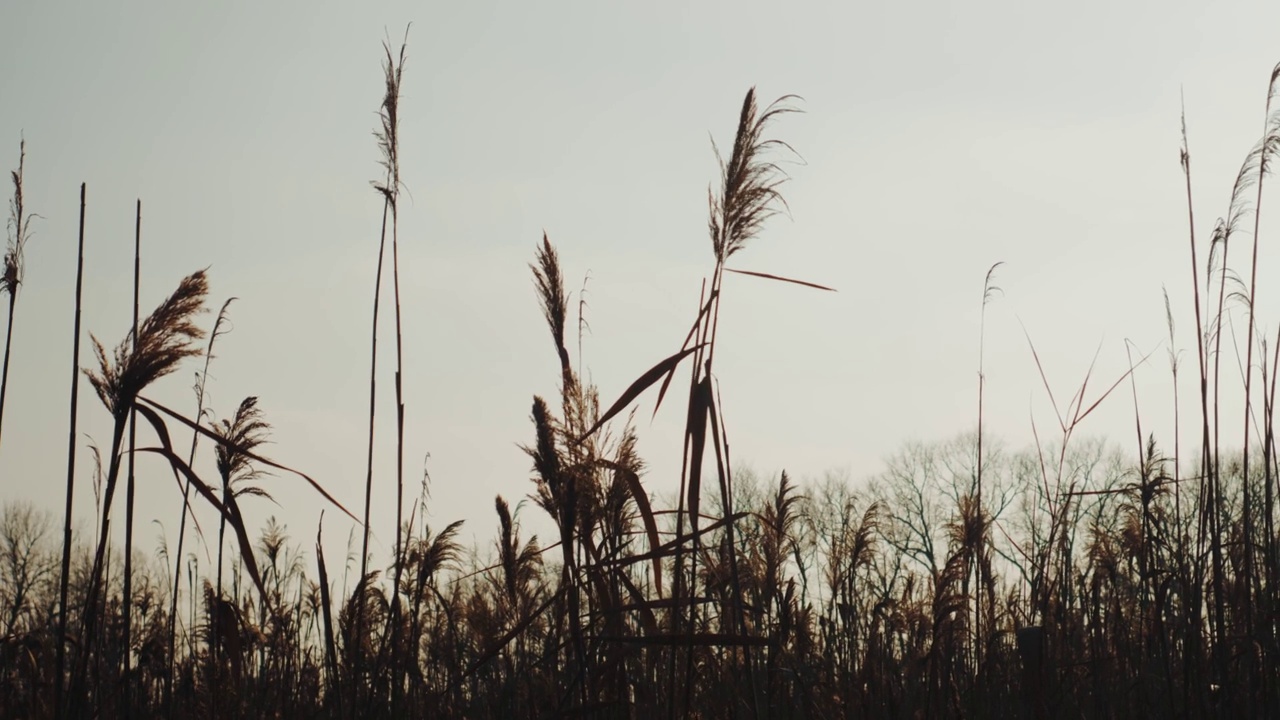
(27,561)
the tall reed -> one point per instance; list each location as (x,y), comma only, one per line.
(163,340)
(989,291)
(1266,148)
(65,575)
(126,709)
(749,196)
(19,231)
(219,328)
(388,143)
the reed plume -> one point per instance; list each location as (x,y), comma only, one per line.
(240,436)
(166,337)
(19,231)
(750,183)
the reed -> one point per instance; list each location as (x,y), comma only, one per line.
(60,640)
(18,233)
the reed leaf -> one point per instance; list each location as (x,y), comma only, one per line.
(779,278)
(249,454)
(639,386)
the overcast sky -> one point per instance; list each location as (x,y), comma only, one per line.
(937,139)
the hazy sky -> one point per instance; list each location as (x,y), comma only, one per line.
(937,139)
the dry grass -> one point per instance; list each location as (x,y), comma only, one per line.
(967,579)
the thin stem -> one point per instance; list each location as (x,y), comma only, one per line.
(186,495)
(368,487)
(71,476)
(127,601)
(1248,368)
(11,271)
(1206,447)
(400,554)
(8,346)
(96,575)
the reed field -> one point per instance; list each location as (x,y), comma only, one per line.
(1134,576)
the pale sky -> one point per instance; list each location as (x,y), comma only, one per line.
(937,139)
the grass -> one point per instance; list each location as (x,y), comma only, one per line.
(967,579)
